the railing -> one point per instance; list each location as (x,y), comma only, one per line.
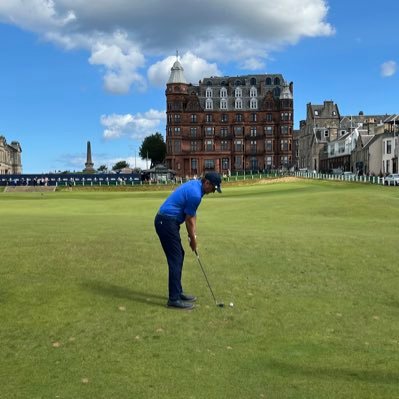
(337,177)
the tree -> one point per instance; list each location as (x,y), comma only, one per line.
(103,169)
(153,148)
(120,165)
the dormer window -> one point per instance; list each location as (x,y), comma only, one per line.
(223,103)
(238,92)
(223,92)
(208,93)
(208,103)
(277,81)
(316,113)
(253,103)
(238,103)
(268,82)
(253,92)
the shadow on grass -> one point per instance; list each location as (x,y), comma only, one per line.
(115,291)
(368,376)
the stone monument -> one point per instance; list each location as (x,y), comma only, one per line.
(89,163)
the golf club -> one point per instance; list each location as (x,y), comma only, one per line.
(220,304)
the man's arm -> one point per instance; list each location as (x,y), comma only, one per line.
(191,224)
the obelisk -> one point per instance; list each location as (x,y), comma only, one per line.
(89,163)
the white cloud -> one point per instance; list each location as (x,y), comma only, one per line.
(135,127)
(195,68)
(388,69)
(253,64)
(120,34)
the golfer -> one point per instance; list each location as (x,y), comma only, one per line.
(181,207)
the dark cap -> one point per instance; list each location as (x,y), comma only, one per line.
(215,179)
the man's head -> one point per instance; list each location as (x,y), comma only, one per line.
(212,182)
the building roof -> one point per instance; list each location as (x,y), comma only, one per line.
(176,74)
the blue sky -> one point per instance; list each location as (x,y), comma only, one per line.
(72,72)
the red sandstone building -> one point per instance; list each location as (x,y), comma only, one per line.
(228,124)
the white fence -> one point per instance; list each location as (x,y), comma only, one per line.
(354,178)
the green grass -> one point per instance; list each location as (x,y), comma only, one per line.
(311,267)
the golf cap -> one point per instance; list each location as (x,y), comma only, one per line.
(215,179)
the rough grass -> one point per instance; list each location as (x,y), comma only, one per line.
(311,268)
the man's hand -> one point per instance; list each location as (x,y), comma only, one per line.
(193,243)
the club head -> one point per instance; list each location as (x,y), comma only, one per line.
(221,305)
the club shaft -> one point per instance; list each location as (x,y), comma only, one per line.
(206,278)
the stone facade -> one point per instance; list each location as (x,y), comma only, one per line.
(228,124)
(320,127)
(10,157)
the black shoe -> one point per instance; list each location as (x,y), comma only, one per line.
(188,298)
(179,304)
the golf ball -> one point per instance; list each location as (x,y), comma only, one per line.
(231,304)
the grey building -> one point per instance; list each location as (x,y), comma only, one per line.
(10,157)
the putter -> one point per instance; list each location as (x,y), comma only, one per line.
(220,304)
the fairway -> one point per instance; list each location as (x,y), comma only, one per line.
(311,266)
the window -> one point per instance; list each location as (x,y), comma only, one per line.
(193,118)
(269,145)
(253,92)
(252,81)
(276,81)
(388,147)
(253,103)
(285,129)
(238,145)
(177,118)
(224,131)
(284,145)
(326,133)
(269,118)
(238,103)
(269,130)
(225,163)
(208,117)
(209,131)
(316,112)
(208,93)
(253,131)
(238,117)
(177,130)
(268,81)
(209,164)
(254,163)
(177,146)
(276,92)
(194,146)
(194,165)
(208,145)
(208,103)
(223,92)
(269,162)
(284,160)
(254,117)
(253,145)
(193,132)
(238,92)
(224,145)
(224,118)
(223,103)
(238,162)
(238,130)
(285,116)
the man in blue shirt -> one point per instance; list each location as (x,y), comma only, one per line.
(181,207)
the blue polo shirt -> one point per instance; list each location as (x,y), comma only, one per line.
(183,201)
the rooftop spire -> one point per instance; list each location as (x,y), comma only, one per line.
(176,74)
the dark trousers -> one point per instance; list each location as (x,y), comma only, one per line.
(168,230)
